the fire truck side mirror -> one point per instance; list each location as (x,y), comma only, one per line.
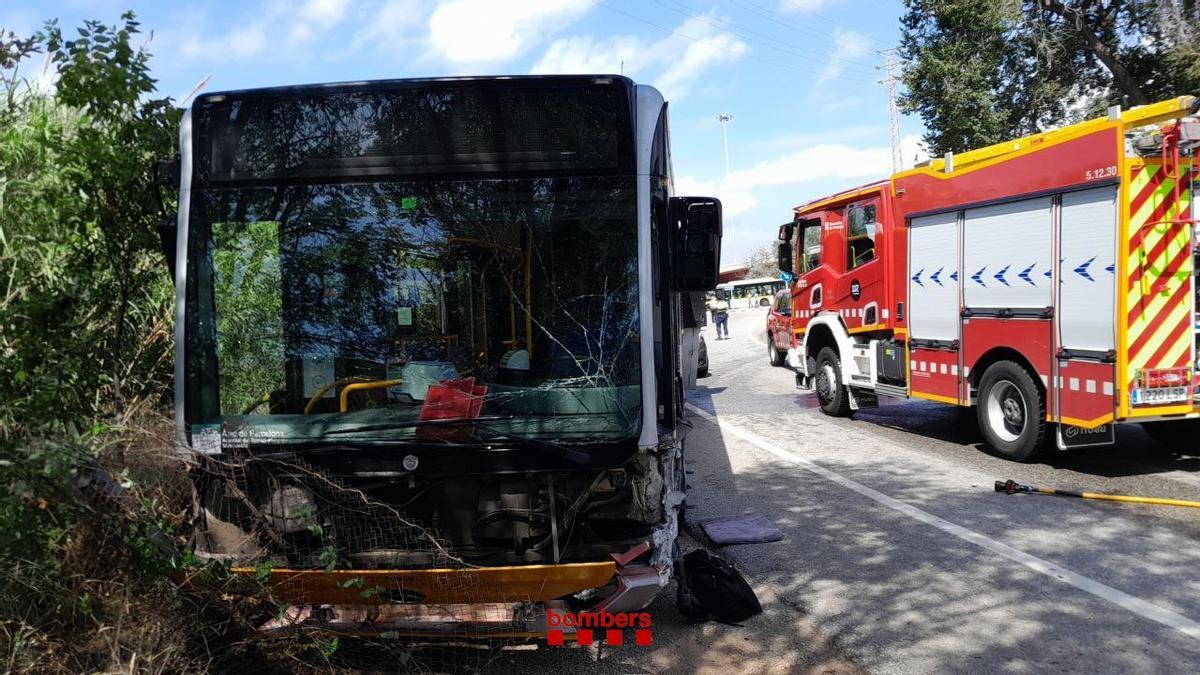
(784,256)
(697,242)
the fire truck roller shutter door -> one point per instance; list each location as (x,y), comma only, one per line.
(933,277)
(1007,252)
(1087,249)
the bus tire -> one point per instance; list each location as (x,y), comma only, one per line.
(775,356)
(1175,434)
(1011,412)
(831,391)
(764,302)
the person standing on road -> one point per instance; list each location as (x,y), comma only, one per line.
(720,315)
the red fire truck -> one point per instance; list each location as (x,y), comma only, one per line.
(1047,281)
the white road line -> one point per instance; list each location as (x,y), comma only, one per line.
(1122,599)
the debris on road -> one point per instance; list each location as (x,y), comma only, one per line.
(711,588)
(748,528)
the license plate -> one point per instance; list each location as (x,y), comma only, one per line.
(1159,395)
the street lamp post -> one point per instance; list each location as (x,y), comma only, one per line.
(725,119)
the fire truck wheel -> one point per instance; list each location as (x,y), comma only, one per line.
(1176,434)
(831,393)
(1011,412)
(775,356)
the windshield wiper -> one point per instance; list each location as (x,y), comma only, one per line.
(548,447)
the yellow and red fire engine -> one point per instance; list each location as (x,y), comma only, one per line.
(1048,281)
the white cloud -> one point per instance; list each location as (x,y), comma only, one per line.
(585,55)
(913,151)
(480,31)
(240,42)
(315,16)
(391,24)
(800,6)
(672,64)
(715,49)
(300,25)
(803,139)
(818,162)
(848,46)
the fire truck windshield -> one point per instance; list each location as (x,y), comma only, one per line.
(324,307)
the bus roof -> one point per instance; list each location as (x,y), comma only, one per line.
(757,280)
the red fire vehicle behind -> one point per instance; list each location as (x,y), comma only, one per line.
(1047,281)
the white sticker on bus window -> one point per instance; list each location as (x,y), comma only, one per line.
(206,439)
(318,374)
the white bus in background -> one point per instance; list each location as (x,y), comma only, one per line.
(752,292)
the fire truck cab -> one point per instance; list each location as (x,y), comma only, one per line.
(1047,281)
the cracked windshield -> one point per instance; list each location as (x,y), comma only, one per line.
(363,305)
(408,308)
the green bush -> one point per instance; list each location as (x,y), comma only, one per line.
(85,358)
(85,312)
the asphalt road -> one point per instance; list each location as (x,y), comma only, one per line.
(898,552)
(898,556)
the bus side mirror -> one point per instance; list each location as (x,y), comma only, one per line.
(698,242)
(166,176)
(167,232)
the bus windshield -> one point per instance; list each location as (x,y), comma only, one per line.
(321,306)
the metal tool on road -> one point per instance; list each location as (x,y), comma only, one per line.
(1013,487)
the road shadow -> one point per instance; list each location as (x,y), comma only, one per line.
(1134,454)
(893,592)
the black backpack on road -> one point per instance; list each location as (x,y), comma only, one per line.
(709,587)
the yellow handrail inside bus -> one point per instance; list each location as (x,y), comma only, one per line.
(361,386)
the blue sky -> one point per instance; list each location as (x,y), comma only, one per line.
(800,77)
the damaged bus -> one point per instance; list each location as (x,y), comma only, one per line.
(430,338)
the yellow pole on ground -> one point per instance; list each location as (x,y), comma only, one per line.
(1013,487)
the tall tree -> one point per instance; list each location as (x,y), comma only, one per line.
(982,71)
(762,262)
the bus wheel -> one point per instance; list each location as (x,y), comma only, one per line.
(1175,434)
(764,302)
(831,392)
(775,356)
(1011,412)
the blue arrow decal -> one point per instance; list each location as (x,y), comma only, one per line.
(1082,270)
(979,274)
(1025,275)
(1000,275)
(954,275)
(934,276)
(1049,274)
(1111,269)
(917,277)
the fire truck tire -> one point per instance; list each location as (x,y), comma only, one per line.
(775,356)
(1011,412)
(1175,435)
(831,392)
